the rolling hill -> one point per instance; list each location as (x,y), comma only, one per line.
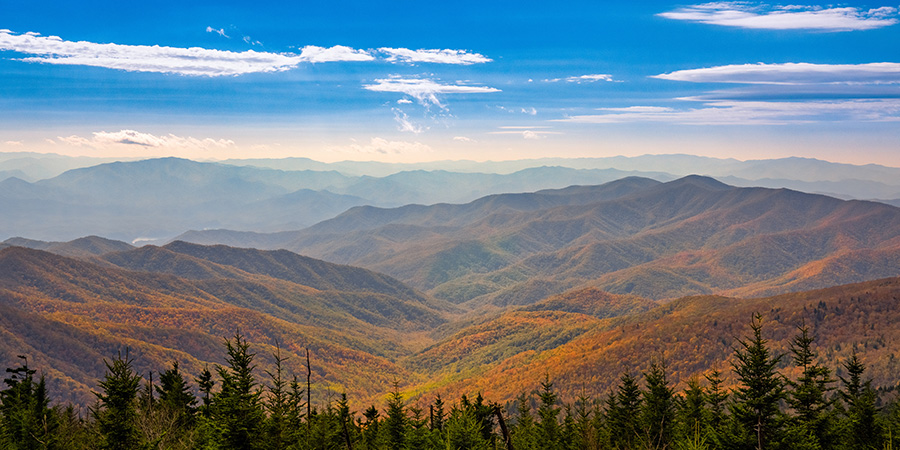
(68,314)
(691,236)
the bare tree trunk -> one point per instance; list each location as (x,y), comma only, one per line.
(503,429)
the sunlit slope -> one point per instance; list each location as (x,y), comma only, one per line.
(658,240)
(585,355)
(69,314)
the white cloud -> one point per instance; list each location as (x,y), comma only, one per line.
(184,61)
(13,143)
(530,111)
(424,90)
(791,74)
(463,139)
(380,146)
(220,32)
(582,78)
(461,57)
(103,139)
(405,124)
(729,112)
(526,132)
(314,54)
(793,17)
(404,101)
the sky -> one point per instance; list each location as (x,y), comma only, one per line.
(405,81)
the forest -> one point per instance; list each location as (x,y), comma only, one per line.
(233,406)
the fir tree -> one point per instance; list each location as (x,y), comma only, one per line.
(813,424)
(548,431)
(658,412)
(237,408)
(860,427)
(463,430)
(623,412)
(756,399)
(523,433)
(26,420)
(395,421)
(117,412)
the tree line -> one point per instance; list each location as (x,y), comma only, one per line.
(233,407)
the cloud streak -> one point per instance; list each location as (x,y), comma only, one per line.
(791,74)
(792,17)
(583,78)
(425,91)
(729,112)
(459,57)
(196,61)
(145,140)
(192,61)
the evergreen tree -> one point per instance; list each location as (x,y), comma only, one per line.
(813,423)
(860,427)
(756,399)
(585,428)
(26,420)
(523,432)
(206,384)
(116,414)
(463,430)
(395,421)
(278,406)
(175,395)
(658,412)
(436,414)
(718,432)
(237,408)
(371,428)
(692,413)
(623,414)
(548,431)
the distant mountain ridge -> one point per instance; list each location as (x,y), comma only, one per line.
(691,236)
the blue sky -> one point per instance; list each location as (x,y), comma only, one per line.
(414,81)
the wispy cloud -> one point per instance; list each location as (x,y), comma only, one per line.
(463,139)
(792,74)
(461,57)
(405,124)
(220,32)
(582,78)
(424,90)
(728,112)
(791,17)
(13,143)
(381,146)
(527,132)
(102,139)
(185,61)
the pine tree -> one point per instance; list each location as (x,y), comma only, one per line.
(658,412)
(523,432)
(395,425)
(623,414)
(371,429)
(436,414)
(117,412)
(813,423)
(692,412)
(548,431)
(756,399)
(237,408)
(175,395)
(463,430)
(860,427)
(277,404)
(26,420)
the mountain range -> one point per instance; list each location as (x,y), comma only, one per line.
(55,198)
(691,236)
(366,331)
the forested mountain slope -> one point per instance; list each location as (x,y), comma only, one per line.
(69,314)
(691,236)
